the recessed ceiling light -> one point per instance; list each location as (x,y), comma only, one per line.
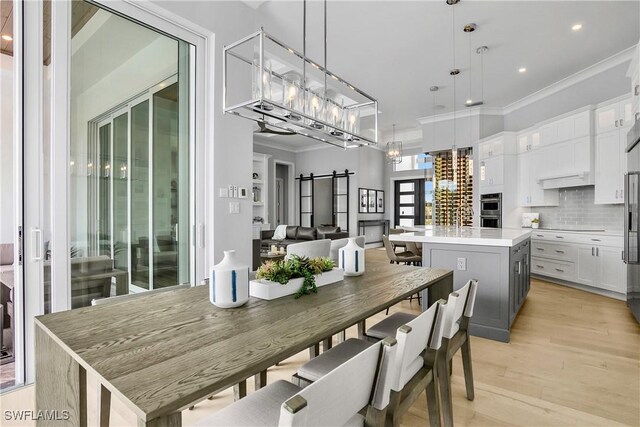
(469,101)
(577,27)
(522,70)
(7,37)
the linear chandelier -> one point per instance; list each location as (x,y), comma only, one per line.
(267,81)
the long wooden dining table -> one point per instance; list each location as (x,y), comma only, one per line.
(164,352)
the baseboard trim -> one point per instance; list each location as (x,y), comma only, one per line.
(586,288)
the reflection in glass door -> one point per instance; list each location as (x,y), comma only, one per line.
(130,136)
(141,181)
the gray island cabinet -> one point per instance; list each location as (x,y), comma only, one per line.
(499,258)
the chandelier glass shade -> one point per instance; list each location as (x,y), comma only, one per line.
(291,92)
(394,149)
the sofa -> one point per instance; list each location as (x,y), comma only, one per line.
(298,234)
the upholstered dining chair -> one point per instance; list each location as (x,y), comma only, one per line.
(310,249)
(402,245)
(407,372)
(400,257)
(455,335)
(335,400)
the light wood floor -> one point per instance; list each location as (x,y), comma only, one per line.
(573,359)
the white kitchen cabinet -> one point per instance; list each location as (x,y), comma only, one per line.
(565,129)
(587,271)
(528,141)
(530,192)
(492,172)
(612,269)
(602,267)
(594,260)
(613,116)
(502,144)
(610,166)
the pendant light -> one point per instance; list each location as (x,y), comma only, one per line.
(287,96)
(454,73)
(394,149)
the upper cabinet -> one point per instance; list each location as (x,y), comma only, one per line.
(495,154)
(612,123)
(528,140)
(614,116)
(498,145)
(565,129)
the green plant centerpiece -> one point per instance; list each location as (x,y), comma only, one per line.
(295,267)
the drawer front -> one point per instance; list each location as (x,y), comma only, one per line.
(552,236)
(558,269)
(553,250)
(599,240)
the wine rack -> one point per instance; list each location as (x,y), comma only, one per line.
(449,195)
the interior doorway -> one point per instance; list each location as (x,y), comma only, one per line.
(284,192)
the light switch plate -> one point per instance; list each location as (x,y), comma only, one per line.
(234,207)
(231,191)
(462,264)
(224,192)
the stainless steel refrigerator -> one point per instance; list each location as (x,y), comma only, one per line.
(631,252)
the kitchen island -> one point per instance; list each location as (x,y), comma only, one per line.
(500,258)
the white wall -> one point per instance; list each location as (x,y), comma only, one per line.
(233,136)
(368,165)
(7,219)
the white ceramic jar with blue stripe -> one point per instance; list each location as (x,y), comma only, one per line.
(351,258)
(229,282)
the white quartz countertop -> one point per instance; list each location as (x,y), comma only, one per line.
(463,236)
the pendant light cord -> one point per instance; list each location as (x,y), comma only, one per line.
(325,56)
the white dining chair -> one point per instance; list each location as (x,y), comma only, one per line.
(335,400)
(455,336)
(310,249)
(407,372)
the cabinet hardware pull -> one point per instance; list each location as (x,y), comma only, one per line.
(559,237)
(540,235)
(540,266)
(616,194)
(560,270)
(616,123)
(592,251)
(559,251)
(595,240)
(621,120)
(540,249)
(597,251)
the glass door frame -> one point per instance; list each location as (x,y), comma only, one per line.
(418,201)
(30,107)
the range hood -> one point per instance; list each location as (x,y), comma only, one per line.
(574,179)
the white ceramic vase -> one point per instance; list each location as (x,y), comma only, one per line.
(229,282)
(351,258)
(535,225)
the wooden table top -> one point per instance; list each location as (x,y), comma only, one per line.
(163,352)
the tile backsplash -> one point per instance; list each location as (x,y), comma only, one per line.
(576,209)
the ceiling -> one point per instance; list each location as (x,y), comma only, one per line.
(396,50)
(105,42)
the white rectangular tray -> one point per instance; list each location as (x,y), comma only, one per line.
(266,289)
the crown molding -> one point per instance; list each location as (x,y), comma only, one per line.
(591,71)
(467,112)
